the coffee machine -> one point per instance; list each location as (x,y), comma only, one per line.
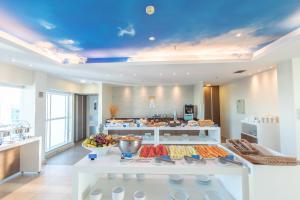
(190,112)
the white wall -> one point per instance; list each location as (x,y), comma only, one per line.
(133,101)
(58,84)
(106,101)
(289,106)
(12,75)
(260,95)
(199,99)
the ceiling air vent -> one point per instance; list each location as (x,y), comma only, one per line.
(239,71)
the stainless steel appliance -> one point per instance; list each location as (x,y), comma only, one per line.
(190,112)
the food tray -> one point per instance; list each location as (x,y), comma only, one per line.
(242,147)
(271,160)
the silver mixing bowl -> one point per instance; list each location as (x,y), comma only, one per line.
(130,146)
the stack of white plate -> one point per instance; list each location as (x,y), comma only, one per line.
(176,178)
(203,179)
(95,195)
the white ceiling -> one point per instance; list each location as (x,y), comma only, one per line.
(157,72)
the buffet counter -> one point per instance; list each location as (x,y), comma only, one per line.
(166,135)
(20,156)
(90,174)
(239,180)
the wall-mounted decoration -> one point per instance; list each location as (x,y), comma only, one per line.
(240,106)
(152,102)
(41,94)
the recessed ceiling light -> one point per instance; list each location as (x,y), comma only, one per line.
(82,81)
(239,71)
(134,74)
(150,10)
(30,65)
(151,38)
(188,73)
(160,74)
(174,73)
(238,35)
(13,60)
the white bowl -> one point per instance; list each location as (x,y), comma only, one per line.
(111,176)
(203,179)
(100,151)
(140,177)
(128,176)
(95,195)
(176,178)
(179,195)
(139,195)
(118,193)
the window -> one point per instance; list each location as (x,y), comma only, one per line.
(10,104)
(58,119)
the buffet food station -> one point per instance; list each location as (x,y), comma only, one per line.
(235,170)
(173,132)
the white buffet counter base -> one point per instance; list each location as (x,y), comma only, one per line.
(88,174)
(248,182)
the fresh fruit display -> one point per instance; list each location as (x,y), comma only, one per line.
(178,152)
(99,140)
(206,151)
(150,151)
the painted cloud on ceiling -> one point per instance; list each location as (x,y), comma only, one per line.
(119,31)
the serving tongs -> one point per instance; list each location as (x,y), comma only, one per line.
(190,160)
(162,159)
(226,160)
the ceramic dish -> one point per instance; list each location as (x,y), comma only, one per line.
(118,193)
(203,179)
(95,195)
(175,178)
(139,195)
(179,195)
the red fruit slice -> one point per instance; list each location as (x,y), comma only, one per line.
(158,151)
(151,152)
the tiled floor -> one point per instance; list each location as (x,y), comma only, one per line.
(69,157)
(54,183)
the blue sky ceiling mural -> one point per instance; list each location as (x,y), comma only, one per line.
(93,31)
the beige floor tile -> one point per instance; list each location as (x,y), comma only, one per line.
(18,196)
(51,197)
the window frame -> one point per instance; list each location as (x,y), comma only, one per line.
(67,120)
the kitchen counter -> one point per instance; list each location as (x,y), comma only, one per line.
(14,144)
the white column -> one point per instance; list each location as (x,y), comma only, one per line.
(40,87)
(100,103)
(199,99)
(288,75)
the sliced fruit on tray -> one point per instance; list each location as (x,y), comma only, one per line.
(206,151)
(150,151)
(178,152)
